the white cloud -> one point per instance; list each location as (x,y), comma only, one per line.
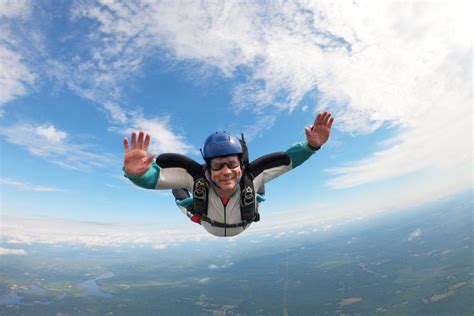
(47,230)
(28,186)
(116,49)
(431,145)
(14,241)
(51,133)
(159,246)
(338,209)
(116,112)
(50,143)
(371,64)
(115,53)
(123,35)
(163,139)
(264,122)
(277,224)
(15,76)
(420,80)
(415,234)
(280,235)
(17,252)
(204,280)
(225,265)
(14,8)
(114,186)
(219,34)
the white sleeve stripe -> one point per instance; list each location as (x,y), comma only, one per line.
(269,174)
(174,178)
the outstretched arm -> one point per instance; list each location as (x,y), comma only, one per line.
(273,165)
(318,134)
(136,162)
(140,168)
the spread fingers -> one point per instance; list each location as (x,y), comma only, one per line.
(125,145)
(147,142)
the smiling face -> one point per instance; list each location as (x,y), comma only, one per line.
(226,172)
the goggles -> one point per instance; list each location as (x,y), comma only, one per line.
(218,165)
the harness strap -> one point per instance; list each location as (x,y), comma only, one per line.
(248,207)
(200,195)
(198,208)
(223,225)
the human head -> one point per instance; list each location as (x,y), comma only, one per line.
(223,150)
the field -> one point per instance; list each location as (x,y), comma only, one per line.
(412,263)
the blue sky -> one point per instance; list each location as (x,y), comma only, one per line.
(78,76)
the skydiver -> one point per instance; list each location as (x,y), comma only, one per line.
(224,193)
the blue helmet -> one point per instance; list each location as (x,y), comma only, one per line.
(221,144)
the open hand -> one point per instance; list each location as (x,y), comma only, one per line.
(136,162)
(318,133)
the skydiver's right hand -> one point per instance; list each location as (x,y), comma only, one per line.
(136,162)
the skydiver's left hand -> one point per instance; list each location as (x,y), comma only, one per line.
(318,134)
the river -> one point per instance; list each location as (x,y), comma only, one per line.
(13,297)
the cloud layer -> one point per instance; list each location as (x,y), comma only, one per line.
(9,251)
(22,230)
(373,65)
(407,66)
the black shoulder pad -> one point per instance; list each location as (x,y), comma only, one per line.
(269,161)
(179,161)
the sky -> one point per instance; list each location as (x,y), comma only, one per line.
(79,76)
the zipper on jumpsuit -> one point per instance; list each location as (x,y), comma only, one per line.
(225,219)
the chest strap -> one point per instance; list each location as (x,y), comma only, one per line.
(223,225)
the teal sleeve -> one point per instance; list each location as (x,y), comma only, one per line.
(149,179)
(299,153)
(186,202)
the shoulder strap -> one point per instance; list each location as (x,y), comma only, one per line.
(245,151)
(248,206)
